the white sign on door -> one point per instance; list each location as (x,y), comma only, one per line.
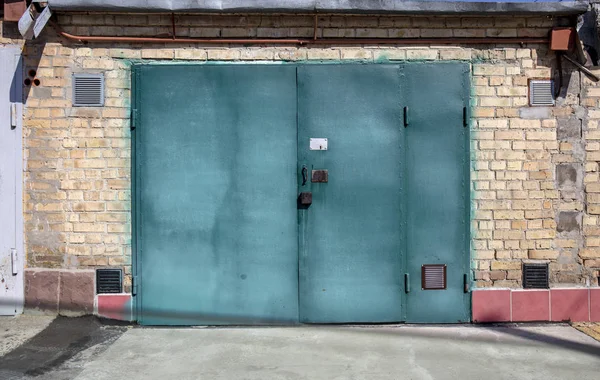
(318,144)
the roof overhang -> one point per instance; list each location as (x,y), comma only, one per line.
(522,7)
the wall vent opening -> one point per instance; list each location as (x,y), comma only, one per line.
(541,92)
(535,276)
(109,281)
(433,277)
(88,90)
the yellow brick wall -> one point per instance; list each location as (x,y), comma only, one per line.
(590,202)
(77,176)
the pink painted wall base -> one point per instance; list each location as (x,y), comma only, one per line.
(520,305)
(59,291)
(71,292)
(114,306)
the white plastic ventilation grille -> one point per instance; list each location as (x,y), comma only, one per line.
(88,90)
(541,92)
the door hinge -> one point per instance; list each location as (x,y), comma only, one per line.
(134,285)
(466,116)
(14,261)
(134,118)
(13,115)
(406,283)
(466,283)
(406,121)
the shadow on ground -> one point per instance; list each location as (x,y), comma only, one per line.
(590,349)
(61,341)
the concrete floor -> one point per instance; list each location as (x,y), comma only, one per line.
(85,348)
(14,331)
(405,352)
(54,348)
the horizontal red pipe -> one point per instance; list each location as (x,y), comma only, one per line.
(430,41)
(309,41)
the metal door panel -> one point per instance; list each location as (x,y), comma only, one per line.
(351,242)
(216,194)
(437,183)
(11,211)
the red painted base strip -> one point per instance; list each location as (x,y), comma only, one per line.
(114,306)
(526,305)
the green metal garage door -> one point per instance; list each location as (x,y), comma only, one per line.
(437,178)
(216,194)
(379,154)
(351,247)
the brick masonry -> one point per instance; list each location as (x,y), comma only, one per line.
(535,175)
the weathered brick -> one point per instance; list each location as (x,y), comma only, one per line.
(508,214)
(89,206)
(223,54)
(589,253)
(506,265)
(540,234)
(544,254)
(457,54)
(256,55)
(483,69)
(360,54)
(494,102)
(425,54)
(508,135)
(546,135)
(324,54)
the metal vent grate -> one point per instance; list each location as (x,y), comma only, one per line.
(535,276)
(433,277)
(541,92)
(88,90)
(109,281)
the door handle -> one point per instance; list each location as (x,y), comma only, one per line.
(14,261)
(13,115)
(304,175)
